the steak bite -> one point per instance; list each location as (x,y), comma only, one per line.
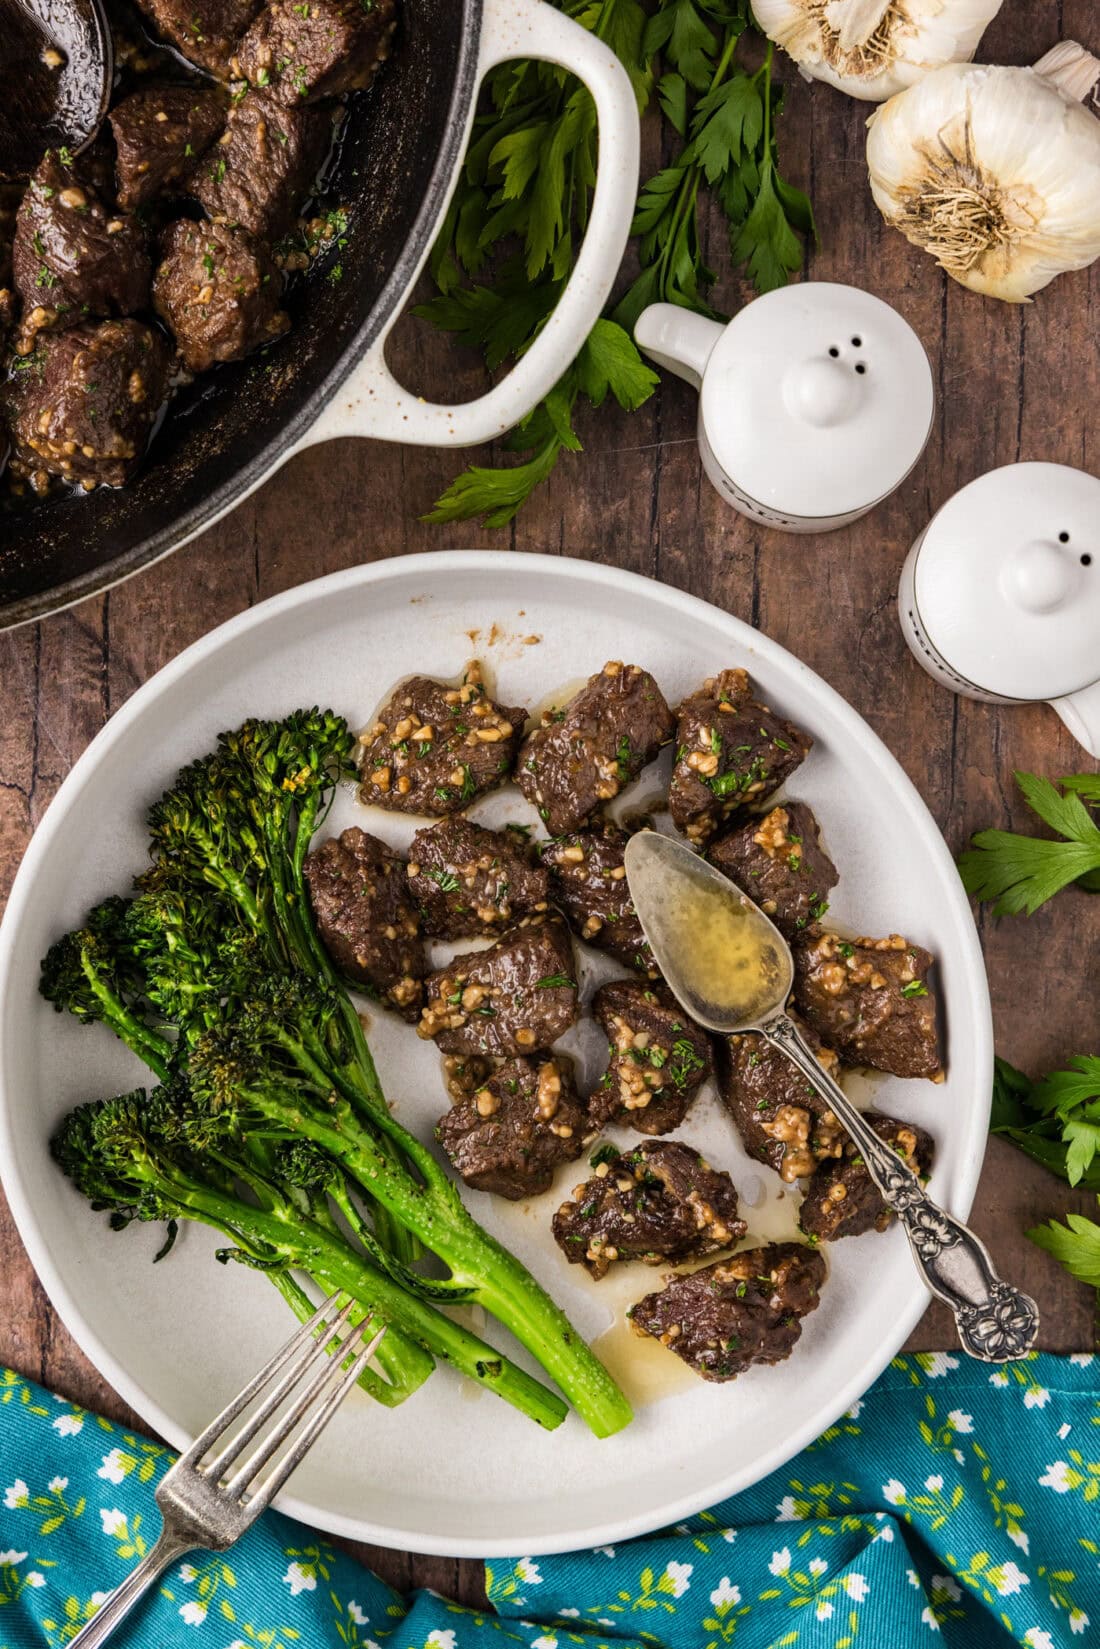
(366,920)
(75,254)
(510,1136)
(518,996)
(589,883)
(219,292)
(160,131)
(581,756)
(731,753)
(779,862)
(737,1312)
(469,881)
(305,52)
(263,166)
(782,1120)
(81,407)
(661,1201)
(842,1200)
(204,31)
(868,999)
(659,1058)
(433,748)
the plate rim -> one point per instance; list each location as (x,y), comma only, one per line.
(742,637)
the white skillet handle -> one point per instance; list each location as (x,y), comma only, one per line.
(372,402)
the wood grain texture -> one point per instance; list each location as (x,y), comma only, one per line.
(1013,383)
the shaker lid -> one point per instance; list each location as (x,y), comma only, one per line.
(1007,581)
(817,399)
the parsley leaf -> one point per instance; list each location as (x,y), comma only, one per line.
(1055,1121)
(1076,1245)
(1020,873)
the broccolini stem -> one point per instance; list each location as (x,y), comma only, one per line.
(332,1264)
(149,1045)
(496,1279)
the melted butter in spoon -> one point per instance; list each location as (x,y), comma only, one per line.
(723,959)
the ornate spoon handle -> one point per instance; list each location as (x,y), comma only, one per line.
(997,1323)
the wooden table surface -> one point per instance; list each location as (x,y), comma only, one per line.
(1012,383)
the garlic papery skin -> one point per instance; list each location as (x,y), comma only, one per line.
(874,48)
(994,171)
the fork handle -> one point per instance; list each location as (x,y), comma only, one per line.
(997,1322)
(114,1609)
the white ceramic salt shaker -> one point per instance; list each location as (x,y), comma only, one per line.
(1000,595)
(815,401)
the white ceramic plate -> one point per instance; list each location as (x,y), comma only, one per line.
(454,1470)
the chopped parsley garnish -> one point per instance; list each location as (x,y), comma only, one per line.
(603,1153)
(914,988)
(446,881)
(556,981)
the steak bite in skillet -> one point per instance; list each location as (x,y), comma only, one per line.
(737,1312)
(731,753)
(841,1199)
(518,996)
(589,883)
(203,31)
(75,254)
(468,881)
(661,1201)
(218,291)
(160,131)
(366,920)
(433,749)
(868,999)
(779,862)
(82,405)
(659,1058)
(511,1135)
(323,49)
(782,1120)
(582,755)
(263,166)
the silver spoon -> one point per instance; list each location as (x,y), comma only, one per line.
(56,69)
(731,969)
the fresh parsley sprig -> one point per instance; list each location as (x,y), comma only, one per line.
(1055,1121)
(1020,873)
(522,205)
(1076,1245)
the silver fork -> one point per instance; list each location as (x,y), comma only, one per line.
(203,1501)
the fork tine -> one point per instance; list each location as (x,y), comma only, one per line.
(263,1497)
(234,1486)
(217,1426)
(301,1365)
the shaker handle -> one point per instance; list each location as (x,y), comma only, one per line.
(677,339)
(1081,714)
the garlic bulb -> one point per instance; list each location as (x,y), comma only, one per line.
(874,48)
(995,171)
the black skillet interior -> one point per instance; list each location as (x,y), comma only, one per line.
(392,169)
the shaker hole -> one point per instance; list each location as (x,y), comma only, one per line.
(834,351)
(856,343)
(1086,560)
(861,367)
(1063,538)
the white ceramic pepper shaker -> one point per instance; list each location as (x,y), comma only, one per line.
(815,400)
(1000,595)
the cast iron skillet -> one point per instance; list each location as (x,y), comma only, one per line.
(394,168)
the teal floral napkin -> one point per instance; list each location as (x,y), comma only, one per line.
(952,1505)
